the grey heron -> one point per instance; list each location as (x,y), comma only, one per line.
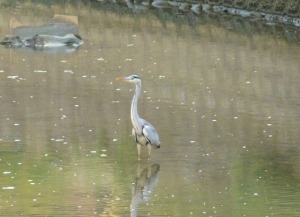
(143,132)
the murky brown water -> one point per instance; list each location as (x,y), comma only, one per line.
(226,106)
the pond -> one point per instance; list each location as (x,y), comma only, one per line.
(224,99)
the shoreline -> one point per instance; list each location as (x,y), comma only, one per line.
(285,12)
(289,8)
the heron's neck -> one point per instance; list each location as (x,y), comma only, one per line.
(135,119)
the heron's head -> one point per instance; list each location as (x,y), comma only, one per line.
(130,79)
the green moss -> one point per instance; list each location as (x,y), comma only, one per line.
(293,7)
(266,5)
(240,3)
(279,7)
(215,2)
(228,3)
(253,4)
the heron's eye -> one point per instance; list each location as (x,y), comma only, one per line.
(135,77)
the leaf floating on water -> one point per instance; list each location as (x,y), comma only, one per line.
(40,71)
(13,76)
(8,188)
(6,172)
(68,71)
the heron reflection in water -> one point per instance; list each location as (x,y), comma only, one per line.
(145,182)
(143,132)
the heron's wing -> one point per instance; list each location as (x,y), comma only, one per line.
(151,134)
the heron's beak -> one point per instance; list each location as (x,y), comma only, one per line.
(120,79)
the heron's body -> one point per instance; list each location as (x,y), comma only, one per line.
(148,135)
(143,132)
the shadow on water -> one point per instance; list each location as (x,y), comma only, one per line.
(146,180)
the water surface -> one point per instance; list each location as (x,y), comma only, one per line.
(224,101)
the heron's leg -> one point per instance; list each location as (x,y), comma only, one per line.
(149,151)
(138,146)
